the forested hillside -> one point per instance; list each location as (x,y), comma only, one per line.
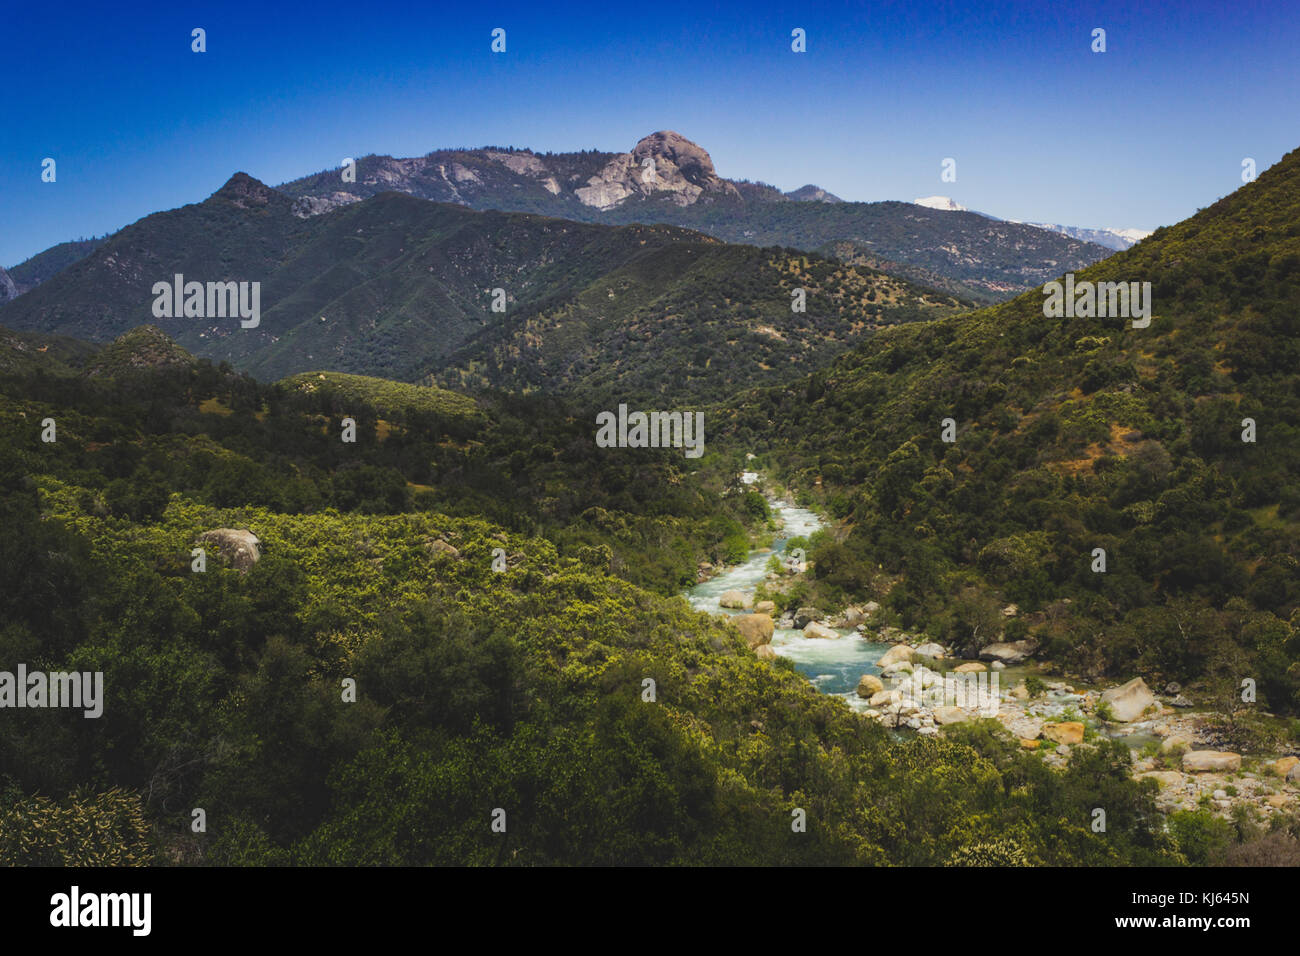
(521,689)
(405,289)
(1173,448)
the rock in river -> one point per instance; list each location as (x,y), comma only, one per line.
(869,685)
(735,599)
(899,654)
(1009,652)
(756,629)
(1129,701)
(813,629)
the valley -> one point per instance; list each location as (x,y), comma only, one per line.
(450,520)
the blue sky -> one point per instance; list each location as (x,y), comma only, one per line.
(1041,127)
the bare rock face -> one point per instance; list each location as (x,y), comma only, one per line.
(524,163)
(304,207)
(8,290)
(241,548)
(663,162)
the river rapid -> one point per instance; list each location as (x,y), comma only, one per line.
(833,666)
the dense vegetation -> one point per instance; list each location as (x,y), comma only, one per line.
(522,686)
(521,689)
(44,265)
(692,323)
(403,289)
(1075,434)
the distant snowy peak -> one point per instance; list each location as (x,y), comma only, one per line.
(1117,239)
(939,202)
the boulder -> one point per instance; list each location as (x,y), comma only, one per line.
(1210,761)
(1030,744)
(970,667)
(735,599)
(439,546)
(883,697)
(1165,778)
(1022,726)
(998,666)
(764,652)
(1282,766)
(901,654)
(1009,652)
(1067,732)
(765,607)
(931,652)
(1129,701)
(1278,800)
(950,715)
(869,685)
(1293,775)
(871,609)
(813,629)
(852,617)
(756,629)
(803,615)
(240,547)
(1175,742)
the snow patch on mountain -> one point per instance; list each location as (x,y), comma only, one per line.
(1117,239)
(939,202)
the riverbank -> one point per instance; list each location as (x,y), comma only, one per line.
(898,680)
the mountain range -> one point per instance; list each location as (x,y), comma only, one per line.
(974,463)
(1117,239)
(405,288)
(668,179)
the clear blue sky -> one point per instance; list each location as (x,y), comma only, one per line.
(1041,128)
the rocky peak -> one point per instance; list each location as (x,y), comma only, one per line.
(246,192)
(811,193)
(678,167)
(694,163)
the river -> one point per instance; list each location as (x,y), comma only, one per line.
(833,666)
